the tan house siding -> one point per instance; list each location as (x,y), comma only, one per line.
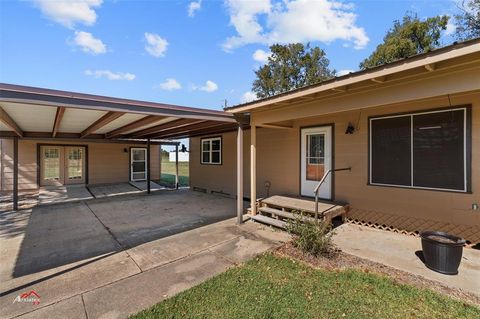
(278,161)
(220,178)
(107,162)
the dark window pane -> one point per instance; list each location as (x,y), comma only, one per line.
(205,157)
(216,145)
(138,166)
(205,145)
(438,154)
(391,149)
(216,157)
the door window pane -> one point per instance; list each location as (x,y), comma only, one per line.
(138,166)
(139,155)
(51,164)
(75,163)
(315,156)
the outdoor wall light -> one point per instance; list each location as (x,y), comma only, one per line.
(125,150)
(350,129)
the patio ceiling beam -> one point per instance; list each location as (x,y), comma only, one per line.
(162,127)
(8,121)
(277,126)
(215,130)
(147,120)
(188,128)
(58,120)
(101,122)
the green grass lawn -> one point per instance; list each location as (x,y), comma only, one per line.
(168,172)
(273,287)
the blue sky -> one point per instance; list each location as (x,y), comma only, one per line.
(194,53)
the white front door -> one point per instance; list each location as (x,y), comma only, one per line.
(138,164)
(316,160)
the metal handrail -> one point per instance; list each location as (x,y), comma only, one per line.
(315,191)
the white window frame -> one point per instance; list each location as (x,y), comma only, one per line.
(210,140)
(412,114)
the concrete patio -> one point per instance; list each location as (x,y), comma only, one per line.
(111,257)
(402,252)
(73,193)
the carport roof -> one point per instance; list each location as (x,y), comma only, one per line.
(30,112)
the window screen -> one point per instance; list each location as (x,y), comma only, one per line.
(438,154)
(425,150)
(391,144)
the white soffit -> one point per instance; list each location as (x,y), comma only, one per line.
(31,118)
(121,121)
(160,121)
(77,120)
(3,127)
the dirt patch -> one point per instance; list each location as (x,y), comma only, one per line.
(339,260)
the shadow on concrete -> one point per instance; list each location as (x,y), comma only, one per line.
(61,234)
(419,254)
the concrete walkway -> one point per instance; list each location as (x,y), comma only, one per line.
(399,251)
(120,283)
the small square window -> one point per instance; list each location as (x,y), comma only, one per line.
(211,151)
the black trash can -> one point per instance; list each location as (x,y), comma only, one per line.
(442,251)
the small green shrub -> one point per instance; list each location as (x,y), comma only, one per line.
(314,238)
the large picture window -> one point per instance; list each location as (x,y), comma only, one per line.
(427,150)
(211,150)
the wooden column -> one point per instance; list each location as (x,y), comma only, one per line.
(253,170)
(15,173)
(240,175)
(148,166)
(176,167)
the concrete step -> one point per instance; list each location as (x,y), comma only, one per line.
(284,214)
(269,221)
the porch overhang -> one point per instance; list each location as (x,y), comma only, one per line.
(37,113)
(450,66)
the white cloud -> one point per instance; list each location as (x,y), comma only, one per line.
(293,21)
(70,12)
(248,97)
(88,43)
(113,76)
(170,84)
(261,56)
(344,72)
(156,45)
(209,86)
(193,7)
(451,27)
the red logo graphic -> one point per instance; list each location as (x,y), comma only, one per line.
(31,296)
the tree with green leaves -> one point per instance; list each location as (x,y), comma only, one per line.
(408,37)
(468,21)
(289,67)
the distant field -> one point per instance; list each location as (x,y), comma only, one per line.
(168,172)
